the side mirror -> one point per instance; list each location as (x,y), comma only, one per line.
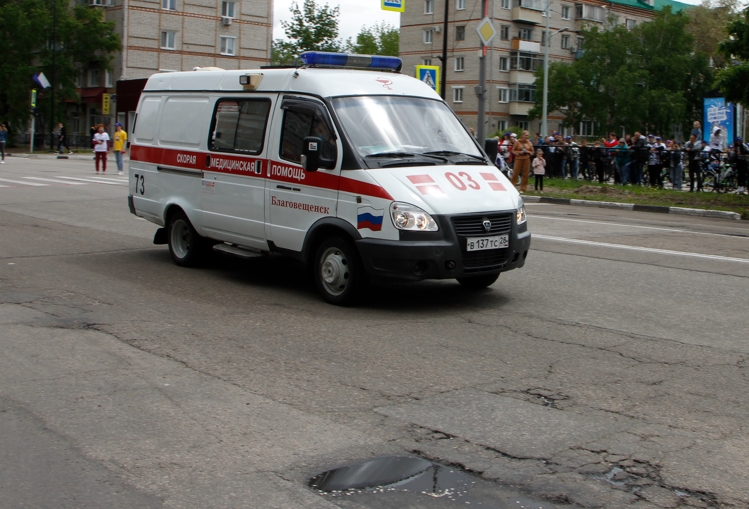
(491,147)
(311,148)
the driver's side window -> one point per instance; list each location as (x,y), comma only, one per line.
(296,126)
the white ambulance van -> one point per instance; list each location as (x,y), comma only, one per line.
(344,163)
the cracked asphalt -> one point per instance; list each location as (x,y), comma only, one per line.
(593,377)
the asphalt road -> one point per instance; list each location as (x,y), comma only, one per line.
(609,372)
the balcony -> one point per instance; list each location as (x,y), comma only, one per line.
(521,109)
(526,46)
(522,77)
(523,15)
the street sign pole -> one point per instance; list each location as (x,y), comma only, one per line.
(33,119)
(486,33)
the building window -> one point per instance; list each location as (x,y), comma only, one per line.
(460,5)
(524,125)
(94,78)
(227,45)
(631,24)
(457,94)
(580,41)
(543,38)
(536,5)
(525,61)
(587,128)
(78,81)
(108,78)
(227,9)
(426,61)
(565,42)
(590,12)
(428,36)
(523,93)
(504,64)
(504,32)
(460,33)
(170,5)
(525,34)
(459,64)
(505,4)
(428,6)
(167,39)
(566,11)
(503,94)
(501,125)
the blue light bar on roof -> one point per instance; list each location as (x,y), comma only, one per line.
(326,59)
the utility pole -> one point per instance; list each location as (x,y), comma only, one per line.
(481,87)
(52,75)
(443,79)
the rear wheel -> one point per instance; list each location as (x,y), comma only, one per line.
(338,273)
(478,282)
(187,248)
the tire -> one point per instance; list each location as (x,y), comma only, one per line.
(478,282)
(187,248)
(338,272)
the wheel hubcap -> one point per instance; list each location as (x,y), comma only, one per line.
(180,238)
(334,271)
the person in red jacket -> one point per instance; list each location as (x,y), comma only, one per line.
(613,141)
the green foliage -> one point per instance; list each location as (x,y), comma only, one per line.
(733,80)
(311,28)
(382,39)
(707,24)
(27,31)
(636,79)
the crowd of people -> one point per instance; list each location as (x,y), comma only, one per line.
(631,160)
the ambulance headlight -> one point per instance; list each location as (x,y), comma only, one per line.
(411,218)
(521,216)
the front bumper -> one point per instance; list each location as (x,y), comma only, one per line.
(441,255)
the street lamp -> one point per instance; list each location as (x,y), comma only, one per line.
(545,110)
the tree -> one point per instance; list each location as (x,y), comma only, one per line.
(707,24)
(33,34)
(732,81)
(382,39)
(311,28)
(632,78)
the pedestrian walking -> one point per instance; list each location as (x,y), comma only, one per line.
(539,170)
(62,139)
(120,141)
(3,140)
(101,148)
(522,151)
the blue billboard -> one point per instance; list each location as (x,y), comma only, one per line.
(718,113)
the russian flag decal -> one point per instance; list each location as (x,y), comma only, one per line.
(369,218)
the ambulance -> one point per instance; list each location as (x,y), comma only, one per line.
(357,170)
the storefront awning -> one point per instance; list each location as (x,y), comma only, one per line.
(92,95)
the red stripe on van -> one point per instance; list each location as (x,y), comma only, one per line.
(238,165)
(490,177)
(420,179)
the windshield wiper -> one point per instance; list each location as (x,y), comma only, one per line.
(408,154)
(452,153)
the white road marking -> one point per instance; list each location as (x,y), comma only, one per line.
(108,179)
(57,181)
(93,181)
(674,230)
(22,183)
(643,249)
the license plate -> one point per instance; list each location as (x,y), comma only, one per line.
(482,243)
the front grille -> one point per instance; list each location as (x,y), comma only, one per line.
(487,258)
(472,226)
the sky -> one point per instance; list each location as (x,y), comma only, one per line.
(354,14)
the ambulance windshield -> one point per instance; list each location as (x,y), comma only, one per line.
(385,126)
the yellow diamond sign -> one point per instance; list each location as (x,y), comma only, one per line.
(486,31)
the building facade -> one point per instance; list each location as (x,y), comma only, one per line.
(514,54)
(169,35)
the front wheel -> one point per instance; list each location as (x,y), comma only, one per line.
(338,273)
(478,282)
(186,247)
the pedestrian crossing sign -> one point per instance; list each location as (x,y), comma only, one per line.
(429,74)
(394,5)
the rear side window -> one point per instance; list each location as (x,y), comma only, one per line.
(296,126)
(239,125)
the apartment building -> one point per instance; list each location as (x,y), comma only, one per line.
(169,35)
(515,52)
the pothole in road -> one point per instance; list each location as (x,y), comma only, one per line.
(407,481)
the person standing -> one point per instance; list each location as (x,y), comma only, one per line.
(101,148)
(599,160)
(676,168)
(62,139)
(640,153)
(585,159)
(120,140)
(742,162)
(697,130)
(539,169)
(573,156)
(3,140)
(621,160)
(693,148)
(522,151)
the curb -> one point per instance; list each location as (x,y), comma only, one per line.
(721,214)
